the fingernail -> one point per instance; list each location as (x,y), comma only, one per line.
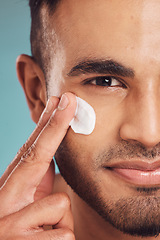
(49,106)
(63,102)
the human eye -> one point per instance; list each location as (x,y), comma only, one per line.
(105,81)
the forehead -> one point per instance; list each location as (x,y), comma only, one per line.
(100,28)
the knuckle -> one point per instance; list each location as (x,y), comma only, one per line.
(23,148)
(64,200)
(30,155)
(68,234)
(36,206)
(44,203)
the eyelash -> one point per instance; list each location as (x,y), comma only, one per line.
(106,79)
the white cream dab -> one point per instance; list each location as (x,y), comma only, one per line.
(85,118)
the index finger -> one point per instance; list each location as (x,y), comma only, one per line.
(52,103)
(33,165)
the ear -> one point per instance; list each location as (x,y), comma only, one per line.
(33,83)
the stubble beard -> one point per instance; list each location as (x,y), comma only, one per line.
(136,216)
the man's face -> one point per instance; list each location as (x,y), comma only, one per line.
(109,55)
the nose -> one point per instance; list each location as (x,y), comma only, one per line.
(141,121)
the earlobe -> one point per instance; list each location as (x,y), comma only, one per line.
(33,83)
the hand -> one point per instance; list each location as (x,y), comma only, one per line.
(26,199)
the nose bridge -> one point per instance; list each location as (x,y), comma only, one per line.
(142,119)
(148,115)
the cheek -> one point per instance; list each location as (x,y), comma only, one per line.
(105,134)
(108,124)
(110,111)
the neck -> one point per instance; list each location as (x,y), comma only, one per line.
(90,226)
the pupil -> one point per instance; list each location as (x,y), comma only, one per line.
(104,81)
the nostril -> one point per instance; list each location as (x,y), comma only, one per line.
(149,137)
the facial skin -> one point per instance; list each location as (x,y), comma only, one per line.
(127,112)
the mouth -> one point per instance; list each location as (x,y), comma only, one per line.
(137,172)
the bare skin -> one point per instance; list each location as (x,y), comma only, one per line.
(127,112)
(27,185)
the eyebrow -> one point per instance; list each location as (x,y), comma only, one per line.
(101,67)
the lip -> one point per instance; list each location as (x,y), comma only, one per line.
(137,172)
(138,165)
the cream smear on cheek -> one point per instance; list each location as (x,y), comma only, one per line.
(84,119)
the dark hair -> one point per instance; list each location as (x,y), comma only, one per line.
(39,49)
(35,6)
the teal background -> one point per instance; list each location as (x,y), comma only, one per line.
(15,122)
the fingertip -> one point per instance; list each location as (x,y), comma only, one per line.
(65,111)
(67,103)
(67,100)
(64,102)
(51,105)
(72,101)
